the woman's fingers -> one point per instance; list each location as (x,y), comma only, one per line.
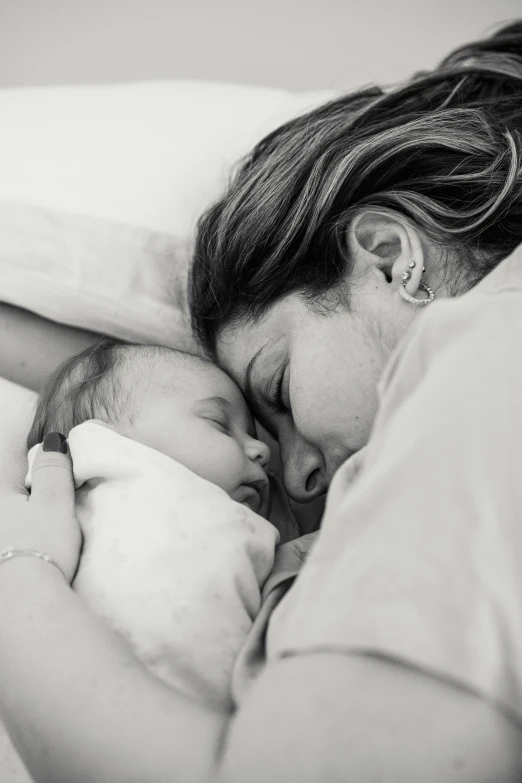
(52,477)
(45,522)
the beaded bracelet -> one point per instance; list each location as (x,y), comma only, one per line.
(11,552)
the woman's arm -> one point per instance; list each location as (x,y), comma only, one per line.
(32,347)
(95,713)
(81,708)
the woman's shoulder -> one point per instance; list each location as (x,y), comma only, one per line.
(477,322)
(494,303)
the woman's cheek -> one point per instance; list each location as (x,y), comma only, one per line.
(307,403)
(308,394)
(321,406)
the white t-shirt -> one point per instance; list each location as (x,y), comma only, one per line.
(419,558)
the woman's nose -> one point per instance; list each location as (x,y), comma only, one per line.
(257,451)
(304,472)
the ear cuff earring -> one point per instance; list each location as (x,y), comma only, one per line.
(406,275)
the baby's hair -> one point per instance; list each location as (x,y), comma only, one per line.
(99,383)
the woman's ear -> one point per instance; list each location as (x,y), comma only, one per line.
(388,243)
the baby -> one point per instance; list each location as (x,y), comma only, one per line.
(157,438)
(175,402)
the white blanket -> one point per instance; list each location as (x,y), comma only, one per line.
(169,560)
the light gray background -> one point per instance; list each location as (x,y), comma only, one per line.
(297,44)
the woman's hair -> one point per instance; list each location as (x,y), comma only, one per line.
(443,150)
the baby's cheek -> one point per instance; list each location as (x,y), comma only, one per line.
(225,464)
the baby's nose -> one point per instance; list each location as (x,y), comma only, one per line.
(257,451)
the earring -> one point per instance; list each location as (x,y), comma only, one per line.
(413,300)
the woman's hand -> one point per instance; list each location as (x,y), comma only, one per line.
(44,520)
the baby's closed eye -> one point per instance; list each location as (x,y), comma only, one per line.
(220,424)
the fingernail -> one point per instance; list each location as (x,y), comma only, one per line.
(55,441)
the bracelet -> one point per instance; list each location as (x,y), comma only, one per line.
(11,552)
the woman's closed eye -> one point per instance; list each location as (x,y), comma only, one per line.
(277,395)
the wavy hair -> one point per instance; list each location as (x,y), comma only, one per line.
(443,150)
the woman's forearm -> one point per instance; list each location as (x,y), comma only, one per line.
(77,703)
(80,708)
(32,347)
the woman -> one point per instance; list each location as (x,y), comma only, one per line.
(294,229)
(396,655)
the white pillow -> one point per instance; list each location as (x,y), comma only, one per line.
(108,277)
(101,187)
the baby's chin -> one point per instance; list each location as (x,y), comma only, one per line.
(265,506)
(254,499)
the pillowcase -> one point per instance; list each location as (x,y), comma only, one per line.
(101,188)
(95,274)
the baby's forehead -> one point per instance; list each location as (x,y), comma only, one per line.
(192,375)
(194,382)
(213,382)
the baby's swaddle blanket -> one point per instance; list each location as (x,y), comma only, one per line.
(169,560)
